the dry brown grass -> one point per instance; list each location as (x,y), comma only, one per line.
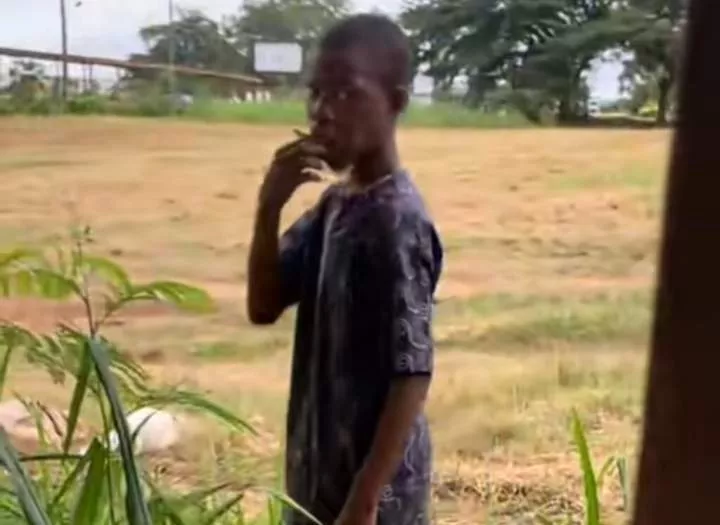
(550,238)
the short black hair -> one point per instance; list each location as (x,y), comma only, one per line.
(385,40)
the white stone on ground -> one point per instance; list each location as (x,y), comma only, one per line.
(159,430)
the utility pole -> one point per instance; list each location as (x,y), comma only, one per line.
(63,31)
(171,50)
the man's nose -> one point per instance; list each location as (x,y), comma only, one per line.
(321,110)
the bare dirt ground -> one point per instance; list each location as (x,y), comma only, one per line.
(550,240)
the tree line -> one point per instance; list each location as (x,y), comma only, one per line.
(531,55)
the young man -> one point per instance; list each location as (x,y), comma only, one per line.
(362,265)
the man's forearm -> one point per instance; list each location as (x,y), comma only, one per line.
(263,272)
(405,401)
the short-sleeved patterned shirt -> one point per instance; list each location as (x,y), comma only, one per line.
(362,268)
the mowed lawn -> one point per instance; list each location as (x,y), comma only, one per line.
(550,239)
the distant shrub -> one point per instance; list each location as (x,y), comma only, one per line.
(6,106)
(88,105)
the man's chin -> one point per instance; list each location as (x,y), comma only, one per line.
(339,164)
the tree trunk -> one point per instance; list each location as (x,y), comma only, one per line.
(567,105)
(678,474)
(564,109)
(664,85)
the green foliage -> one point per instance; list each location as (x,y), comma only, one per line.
(89,104)
(6,106)
(441,115)
(292,112)
(540,49)
(593,480)
(653,43)
(99,486)
(590,479)
(193,40)
(25,489)
(302,21)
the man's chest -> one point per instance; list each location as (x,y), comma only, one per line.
(349,254)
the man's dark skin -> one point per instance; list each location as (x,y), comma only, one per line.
(353,114)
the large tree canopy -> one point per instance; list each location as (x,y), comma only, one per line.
(285,20)
(192,40)
(195,41)
(654,46)
(538,50)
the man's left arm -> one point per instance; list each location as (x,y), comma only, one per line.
(405,401)
(412,269)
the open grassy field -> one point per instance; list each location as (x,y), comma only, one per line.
(550,239)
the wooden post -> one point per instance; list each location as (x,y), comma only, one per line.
(680,459)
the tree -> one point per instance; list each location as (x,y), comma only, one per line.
(654,46)
(540,49)
(28,81)
(196,41)
(302,21)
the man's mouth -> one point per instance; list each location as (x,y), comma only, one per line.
(323,136)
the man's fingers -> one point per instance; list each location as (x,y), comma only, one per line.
(301,136)
(316,169)
(288,148)
(313,148)
(313,175)
(314,163)
(300,146)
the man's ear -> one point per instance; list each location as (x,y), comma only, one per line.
(400,99)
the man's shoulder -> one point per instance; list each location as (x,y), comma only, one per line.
(403,201)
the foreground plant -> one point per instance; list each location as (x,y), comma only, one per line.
(99,486)
(593,480)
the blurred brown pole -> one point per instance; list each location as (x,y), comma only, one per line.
(679,472)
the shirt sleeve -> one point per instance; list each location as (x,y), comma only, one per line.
(414,271)
(293,247)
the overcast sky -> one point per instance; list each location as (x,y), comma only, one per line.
(109,28)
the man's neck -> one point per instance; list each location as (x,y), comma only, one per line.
(374,166)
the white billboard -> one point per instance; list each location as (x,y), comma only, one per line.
(423,85)
(278,57)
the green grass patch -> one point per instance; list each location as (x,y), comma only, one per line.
(611,255)
(548,320)
(294,112)
(600,319)
(243,349)
(20,164)
(490,304)
(637,178)
(279,111)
